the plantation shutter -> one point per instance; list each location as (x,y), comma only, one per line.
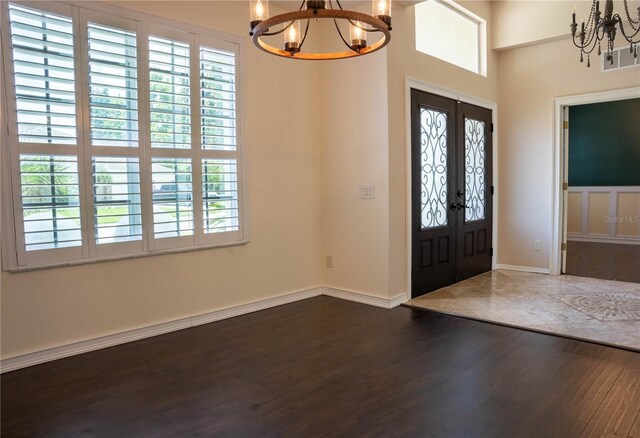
(44,76)
(171,138)
(220,170)
(47,213)
(113,86)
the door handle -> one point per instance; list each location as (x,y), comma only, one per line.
(458,206)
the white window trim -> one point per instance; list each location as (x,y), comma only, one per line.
(13,259)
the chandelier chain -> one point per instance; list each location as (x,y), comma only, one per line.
(631,20)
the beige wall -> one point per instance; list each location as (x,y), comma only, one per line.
(52,307)
(518,23)
(530,78)
(355,231)
(523,22)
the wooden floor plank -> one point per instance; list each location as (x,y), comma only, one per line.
(327,367)
(635,428)
(618,411)
(608,261)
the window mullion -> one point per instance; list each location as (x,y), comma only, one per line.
(196,141)
(12,124)
(144,127)
(84,134)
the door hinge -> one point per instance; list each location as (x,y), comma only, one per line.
(491,252)
(492,127)
(565,186)
(492,191)
(565,124)
(563,247)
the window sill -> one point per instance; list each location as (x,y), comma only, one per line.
(124,257)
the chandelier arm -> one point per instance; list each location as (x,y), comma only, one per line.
(591,39)
(279,31)
(306,29)
(596,32)
(588,51)
(585,48)
(340,33)
(593,34)
(624,34)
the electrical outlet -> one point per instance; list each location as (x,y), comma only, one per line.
(329,261)
(367,191)
(536,245)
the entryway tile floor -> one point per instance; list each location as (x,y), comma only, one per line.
(602,311)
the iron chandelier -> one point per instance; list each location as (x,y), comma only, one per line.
(289,24)
(597,28)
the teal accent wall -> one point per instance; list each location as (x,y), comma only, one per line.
(604,144)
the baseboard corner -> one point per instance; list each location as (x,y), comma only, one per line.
(520,268)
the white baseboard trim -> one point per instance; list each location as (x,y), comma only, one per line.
(523,268)
(364,298)
(38,357)
(50,354)
(605,239)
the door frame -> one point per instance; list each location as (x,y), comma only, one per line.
(558,229)
(410,83)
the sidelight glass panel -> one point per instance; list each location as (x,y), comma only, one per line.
(433,164)
(474,173)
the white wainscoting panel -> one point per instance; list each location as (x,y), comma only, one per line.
(604,214)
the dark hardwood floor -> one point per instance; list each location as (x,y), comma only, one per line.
(607,261)
(326,367)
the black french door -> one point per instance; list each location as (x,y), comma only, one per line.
(451,191)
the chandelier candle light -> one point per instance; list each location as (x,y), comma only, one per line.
(295,25)
(596,28)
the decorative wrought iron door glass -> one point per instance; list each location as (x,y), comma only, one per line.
(433,164)
(474,170)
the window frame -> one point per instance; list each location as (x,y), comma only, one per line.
(466,14)
(14,254)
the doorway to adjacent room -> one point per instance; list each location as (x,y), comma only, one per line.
(602,190)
